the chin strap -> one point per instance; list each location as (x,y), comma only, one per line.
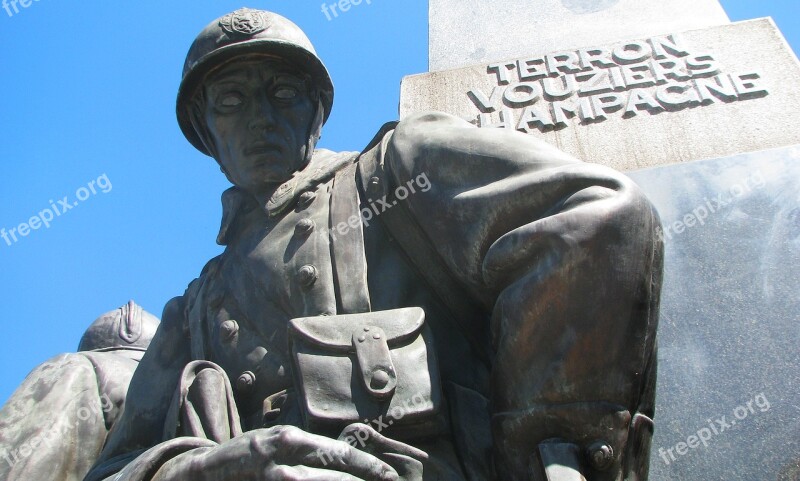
(314,132)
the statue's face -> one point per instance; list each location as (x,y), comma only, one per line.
(258,114)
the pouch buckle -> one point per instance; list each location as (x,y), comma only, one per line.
(375,361)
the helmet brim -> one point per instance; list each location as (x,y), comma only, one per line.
(289,52)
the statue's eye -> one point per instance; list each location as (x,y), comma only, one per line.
(230,100)
(285,92)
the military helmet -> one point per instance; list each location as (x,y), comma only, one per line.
(128,327)
(247,31)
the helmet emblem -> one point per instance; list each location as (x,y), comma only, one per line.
(244,21)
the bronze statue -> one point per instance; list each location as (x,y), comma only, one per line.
(55,424)
(451,303)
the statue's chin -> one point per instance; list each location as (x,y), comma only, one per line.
(267,173)
(268,176)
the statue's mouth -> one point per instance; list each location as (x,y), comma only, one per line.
(263,148)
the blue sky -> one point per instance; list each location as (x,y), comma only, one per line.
(87,95)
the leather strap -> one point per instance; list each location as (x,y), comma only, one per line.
(467,316)
(347,239)
(375,362)
(561,461)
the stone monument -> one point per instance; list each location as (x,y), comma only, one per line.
(656,97)
(700,113)
(463,35)
(451,303)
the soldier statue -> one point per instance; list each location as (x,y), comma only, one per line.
(451,303)
(55,424)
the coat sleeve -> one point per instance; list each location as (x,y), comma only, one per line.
(564,257)
(150,394)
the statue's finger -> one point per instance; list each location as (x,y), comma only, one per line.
(305,473)
(339,456)
(371,441)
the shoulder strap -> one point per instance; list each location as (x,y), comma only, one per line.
(347,245)
(468,316)
(347,235)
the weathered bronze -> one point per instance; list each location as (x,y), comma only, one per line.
(55,424)
(451,303)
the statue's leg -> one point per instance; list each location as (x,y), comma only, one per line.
(203,405)
(202,414)
(573,380)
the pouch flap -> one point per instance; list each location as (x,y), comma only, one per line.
(336,332)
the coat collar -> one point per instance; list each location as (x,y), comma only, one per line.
(324,164)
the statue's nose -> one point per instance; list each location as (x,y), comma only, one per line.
(263,115)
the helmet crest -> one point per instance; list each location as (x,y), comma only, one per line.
(244,21)
(128,327)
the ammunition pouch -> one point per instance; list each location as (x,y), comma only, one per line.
(378,368)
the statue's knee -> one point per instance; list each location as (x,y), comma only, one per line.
(208,384)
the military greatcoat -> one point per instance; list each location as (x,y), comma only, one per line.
(558,262)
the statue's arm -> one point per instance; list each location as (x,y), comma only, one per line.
(566,258)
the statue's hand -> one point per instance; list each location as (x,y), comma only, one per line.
(405,459)
(278,453)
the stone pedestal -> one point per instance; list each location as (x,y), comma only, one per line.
(728,400)
(465,33)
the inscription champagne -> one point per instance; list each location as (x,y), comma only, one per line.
(583,86)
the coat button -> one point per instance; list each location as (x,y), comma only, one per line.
(228,330)
(307,275)
(601,456)
(306,198)
(245,382)
(305,226)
